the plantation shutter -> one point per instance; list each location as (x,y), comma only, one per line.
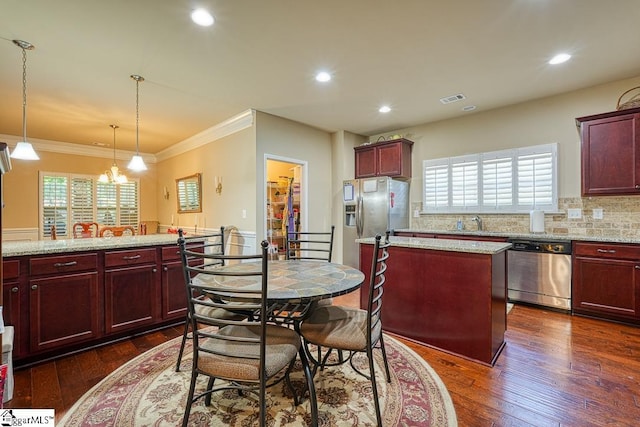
(464,181)
(436,184)
(129,214)
(497,179)
(82,196)
(106,203)
(536,169)
(55,191)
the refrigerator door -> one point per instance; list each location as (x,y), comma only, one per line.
(399,205)
(350,218)
(375,208)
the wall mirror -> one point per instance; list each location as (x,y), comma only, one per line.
(189,191)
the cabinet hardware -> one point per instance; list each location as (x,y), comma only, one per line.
(34,287)
(606,251)
(65,264)
(637,267)
(155,270)
(14,289)
(131,258)
(637,186)
(165,268)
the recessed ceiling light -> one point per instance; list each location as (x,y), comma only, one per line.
(323,76)
(202,17)
(384,109)
(559,58)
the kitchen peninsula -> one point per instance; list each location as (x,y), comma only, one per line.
(67,295)
(448,294)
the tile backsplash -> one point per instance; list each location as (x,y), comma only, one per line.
(621,218)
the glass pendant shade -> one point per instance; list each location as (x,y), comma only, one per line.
(24,151)
(137,164)
(113,175)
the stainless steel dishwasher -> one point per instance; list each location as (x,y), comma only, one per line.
(539,272)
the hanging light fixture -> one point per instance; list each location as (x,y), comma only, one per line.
(24,150)
(136,163)
(113,175)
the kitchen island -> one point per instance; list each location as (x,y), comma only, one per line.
(447,294)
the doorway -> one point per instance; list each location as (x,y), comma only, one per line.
(285,200)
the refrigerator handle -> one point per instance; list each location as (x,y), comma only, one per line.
(359,224)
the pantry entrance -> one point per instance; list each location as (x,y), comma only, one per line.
(283,202)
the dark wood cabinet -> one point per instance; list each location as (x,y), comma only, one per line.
(131,289)
(64,304)
(174,296)
(388,158)
(606,280)
(12,292)
(610,153)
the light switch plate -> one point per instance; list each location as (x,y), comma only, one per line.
(575,213)
(598,213)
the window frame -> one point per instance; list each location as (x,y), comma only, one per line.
(434,189)
(76,211)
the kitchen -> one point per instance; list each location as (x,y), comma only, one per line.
(548,119)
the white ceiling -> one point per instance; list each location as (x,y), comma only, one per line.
(263,54)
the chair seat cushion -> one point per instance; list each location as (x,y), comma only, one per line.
(338,327)
(282,345)
(217,313)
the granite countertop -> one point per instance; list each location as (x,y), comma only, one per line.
(451,245)
(532,236)
(42,247)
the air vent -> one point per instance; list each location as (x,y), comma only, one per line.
(452,98)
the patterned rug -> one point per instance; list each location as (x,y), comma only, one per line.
(148,392)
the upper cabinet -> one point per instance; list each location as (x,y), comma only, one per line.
(610,153)
(387,158)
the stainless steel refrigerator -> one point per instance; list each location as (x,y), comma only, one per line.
(372,206)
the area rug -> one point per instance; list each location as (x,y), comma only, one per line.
(148,392)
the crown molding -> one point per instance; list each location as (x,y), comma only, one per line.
(75,149)
(230,126)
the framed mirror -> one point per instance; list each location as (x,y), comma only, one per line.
(189,191)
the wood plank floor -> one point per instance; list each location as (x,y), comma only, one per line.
(555,370)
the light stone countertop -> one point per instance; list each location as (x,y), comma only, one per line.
(533,236)
(451,245)
(43,247)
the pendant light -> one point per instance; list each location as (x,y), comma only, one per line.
(113,175)
(24,150)
(136,163)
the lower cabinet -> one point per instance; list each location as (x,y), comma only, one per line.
(131,290)
(606,280)
(12,292)
(63,310)
(174,296)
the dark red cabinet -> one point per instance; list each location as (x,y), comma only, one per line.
(388,158)
(610,153)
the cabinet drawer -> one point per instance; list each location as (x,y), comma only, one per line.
(607,250)
(172,253)
(129,257)
(63,264)
(10,269)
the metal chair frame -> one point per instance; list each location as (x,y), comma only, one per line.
(374,320)
(207,330)
(312,245)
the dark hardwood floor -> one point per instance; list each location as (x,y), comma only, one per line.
(555,370)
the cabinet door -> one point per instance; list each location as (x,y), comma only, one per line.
(132,297)
(390,160)
(611,155)
(174,296)
(366,162)
(606,287)
(63,310)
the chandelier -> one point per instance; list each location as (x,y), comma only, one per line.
(24,150)
(113,175)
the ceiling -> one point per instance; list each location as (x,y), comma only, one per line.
(264,54)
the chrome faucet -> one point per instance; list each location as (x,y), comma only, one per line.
(479,221)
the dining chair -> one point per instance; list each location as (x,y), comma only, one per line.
(85,229)
(314,245)
(213,244)
(353,330)
(247,355)
(113,231)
